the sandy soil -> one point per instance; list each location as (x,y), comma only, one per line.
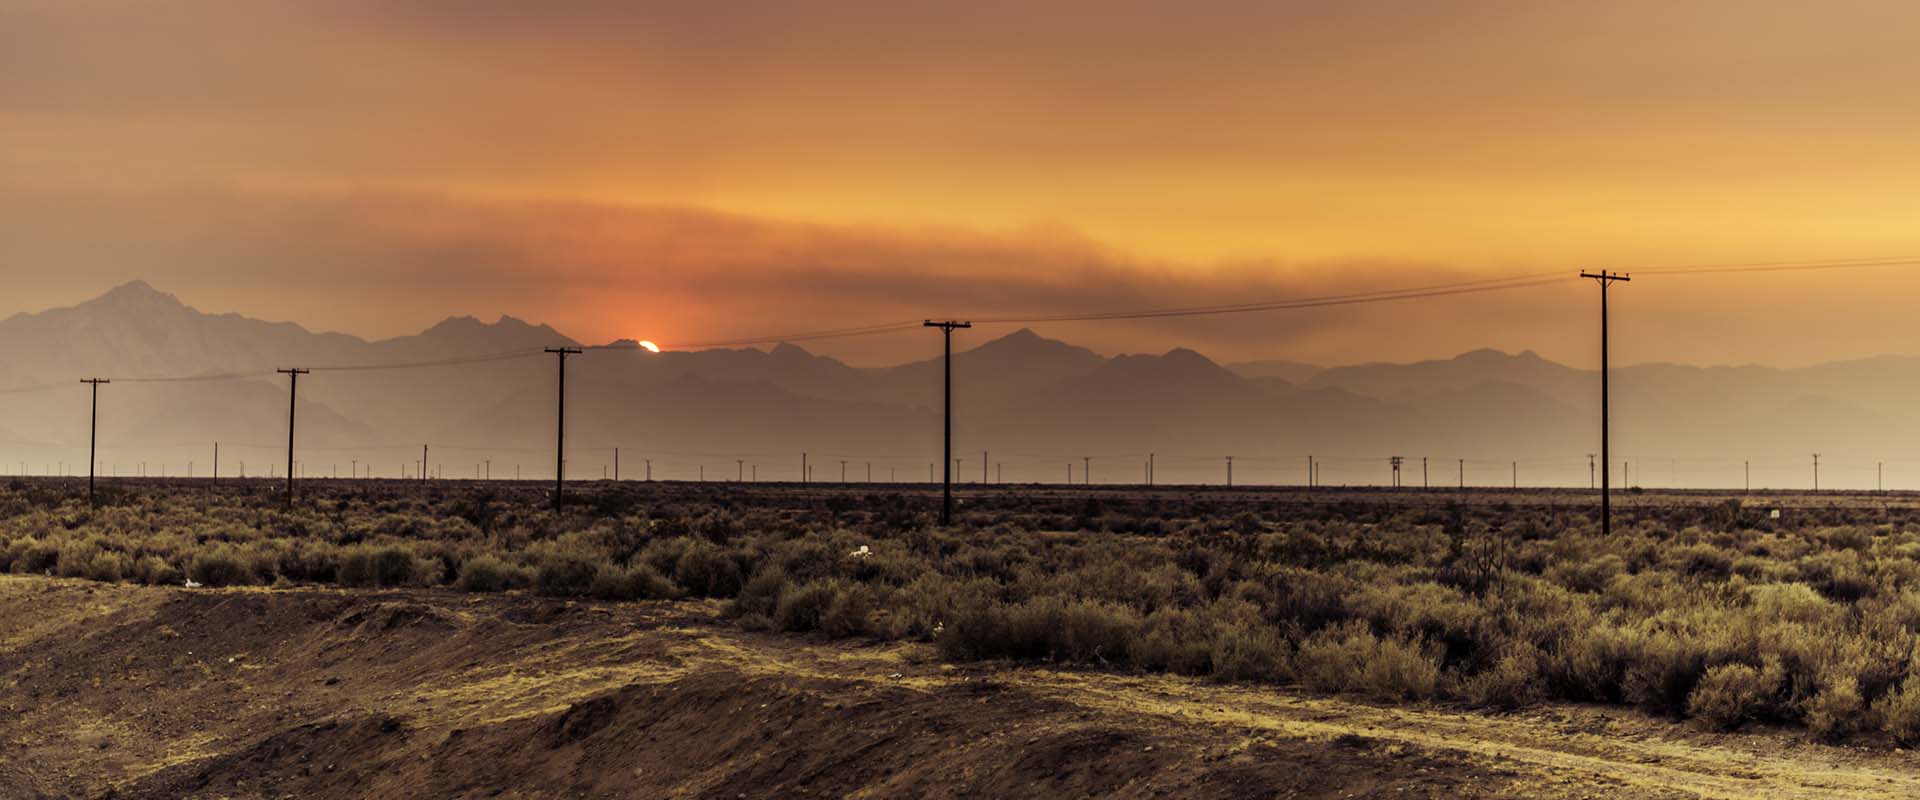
(128,691)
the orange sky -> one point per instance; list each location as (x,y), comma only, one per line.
(673,170)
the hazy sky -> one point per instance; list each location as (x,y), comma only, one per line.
(696,171)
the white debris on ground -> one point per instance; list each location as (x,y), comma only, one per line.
(1774,514)
(192,584)
(863,552)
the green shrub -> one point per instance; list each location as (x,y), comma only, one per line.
(707,571)
(106,567)
(364,565)
(487,573)
(760,597)
(1730,695)
(1837,711)
(1899,712)
(802,607)
(1349,657)
(220,566)
(1247,651)
(566,575)
(1513,682)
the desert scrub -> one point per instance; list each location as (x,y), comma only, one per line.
(1711,612)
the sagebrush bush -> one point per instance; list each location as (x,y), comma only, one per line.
(366,565)
(1730,695)
(488,573)
(220,566)
(1899,712)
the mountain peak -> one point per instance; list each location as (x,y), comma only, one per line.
(138,292)
(789,350)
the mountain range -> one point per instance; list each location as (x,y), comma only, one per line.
(481,397)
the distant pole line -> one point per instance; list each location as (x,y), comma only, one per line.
(293,400)
(1605,279)
(93,433)
(560,428)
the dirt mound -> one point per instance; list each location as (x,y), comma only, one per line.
(724,733)
(140,692)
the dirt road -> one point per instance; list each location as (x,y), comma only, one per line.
(126,691)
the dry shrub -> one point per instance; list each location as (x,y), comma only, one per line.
(487,573)
(566,575)
(368,565)
(220,566)
(1899,712)
(1350,658)
(1730,695)
(1513,682)
(1837,711)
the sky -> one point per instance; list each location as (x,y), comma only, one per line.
(691,172)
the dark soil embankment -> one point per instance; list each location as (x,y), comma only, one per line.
(135,692)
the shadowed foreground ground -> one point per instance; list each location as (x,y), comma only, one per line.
(129,691)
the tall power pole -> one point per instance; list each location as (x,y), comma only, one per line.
(1605,279)
(1229,472)
(946,440)
(293,391)
(93,431)
(1816,472)
(560,429)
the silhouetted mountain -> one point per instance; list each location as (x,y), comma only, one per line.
(476,391)
(1290,371)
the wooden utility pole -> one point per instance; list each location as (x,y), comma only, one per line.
(293,391)
(1816,472)
(1605,279)
(947,328)
(93,432)
(1229,472)
(560,429)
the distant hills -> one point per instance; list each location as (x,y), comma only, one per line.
(1037,405)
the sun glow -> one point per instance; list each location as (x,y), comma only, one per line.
(650,346)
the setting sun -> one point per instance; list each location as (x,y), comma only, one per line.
(650,346)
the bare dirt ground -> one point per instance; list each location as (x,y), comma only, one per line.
(127,691)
